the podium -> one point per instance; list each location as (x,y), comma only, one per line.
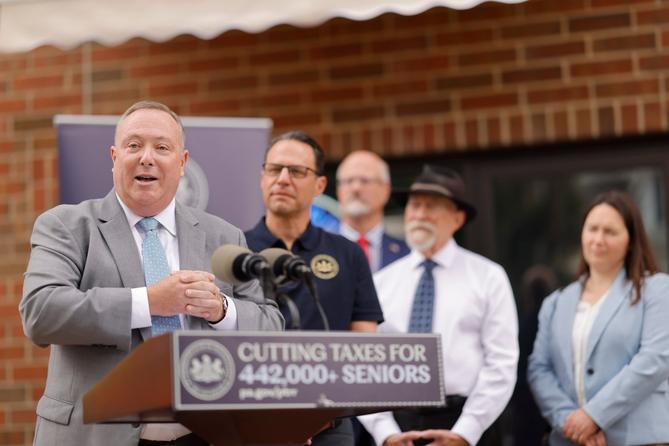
(267,388)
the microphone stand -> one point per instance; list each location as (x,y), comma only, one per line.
(269,286)
(294,312)
(309,280)
(267,283)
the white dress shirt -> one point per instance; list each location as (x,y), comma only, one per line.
(475,314)
(141,316)
(167,233)
(375,239)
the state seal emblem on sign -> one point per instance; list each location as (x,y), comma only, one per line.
(193,189)
(324,266)
(207,369)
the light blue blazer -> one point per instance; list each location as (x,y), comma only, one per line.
(627,363)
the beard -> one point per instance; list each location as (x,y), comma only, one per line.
(355,207)
(420,235)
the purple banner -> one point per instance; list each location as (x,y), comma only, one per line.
(222,174)
(299,369)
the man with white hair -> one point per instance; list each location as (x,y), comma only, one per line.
(465,298)
(363,189)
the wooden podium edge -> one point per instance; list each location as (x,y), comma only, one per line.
(258,427)
(146,374)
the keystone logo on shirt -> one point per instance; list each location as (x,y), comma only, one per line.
(324,266)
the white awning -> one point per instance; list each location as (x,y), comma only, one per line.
(27,24)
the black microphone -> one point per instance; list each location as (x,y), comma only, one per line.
(235,264)
(285,265)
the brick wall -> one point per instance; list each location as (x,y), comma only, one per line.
(486,78)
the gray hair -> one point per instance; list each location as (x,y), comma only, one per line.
(385,170)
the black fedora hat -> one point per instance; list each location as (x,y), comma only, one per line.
(440,181)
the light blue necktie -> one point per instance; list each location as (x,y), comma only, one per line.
(156,268)
(423,302)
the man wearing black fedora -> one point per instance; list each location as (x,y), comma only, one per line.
(443,288)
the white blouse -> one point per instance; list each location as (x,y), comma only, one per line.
(586,314)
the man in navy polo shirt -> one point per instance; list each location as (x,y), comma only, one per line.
(292,177)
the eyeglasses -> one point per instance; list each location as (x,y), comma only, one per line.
(298,172)
(364,181)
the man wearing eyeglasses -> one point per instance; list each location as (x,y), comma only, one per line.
(291,178)
(363,189)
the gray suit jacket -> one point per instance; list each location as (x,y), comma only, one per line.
(77,299)
(626,376)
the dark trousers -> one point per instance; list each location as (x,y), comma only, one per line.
(441,418)
(360,435)
(340,435)
(187,440)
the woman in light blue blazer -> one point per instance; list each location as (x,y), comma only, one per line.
(599,370)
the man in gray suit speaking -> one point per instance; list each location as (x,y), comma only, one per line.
(107,273)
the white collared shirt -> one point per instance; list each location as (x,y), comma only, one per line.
(586,313)
(374,237)
(475,314)
(141,315)
(167,233)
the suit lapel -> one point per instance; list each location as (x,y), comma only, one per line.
(385,253)
(564,318)
(115,230)
(618,294)
(192,244)
(390,250)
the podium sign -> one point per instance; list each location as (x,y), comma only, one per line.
(305,370)
(267,388)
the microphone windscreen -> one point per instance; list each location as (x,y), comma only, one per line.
(272,254)
(222,262)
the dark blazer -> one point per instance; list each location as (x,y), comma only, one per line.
(392,249)
(626,376)
(77,299)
